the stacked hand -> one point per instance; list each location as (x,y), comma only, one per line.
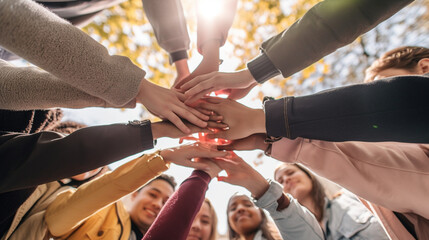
(168,104)
(241,120)
(236,84)
(242,174)
(194,155)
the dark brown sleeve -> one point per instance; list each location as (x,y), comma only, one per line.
(32,159)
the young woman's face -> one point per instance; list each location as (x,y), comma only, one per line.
(243,216)
(294,181)
(201,228)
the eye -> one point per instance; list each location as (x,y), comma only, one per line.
(205,222)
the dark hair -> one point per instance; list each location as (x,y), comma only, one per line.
(406,57)
(169,179)
(29,121)
(317,191)
(267,232)
(68,127)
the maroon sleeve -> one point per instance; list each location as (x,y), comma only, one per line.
(176,217)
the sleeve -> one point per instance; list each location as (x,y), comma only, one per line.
(185,202)
(33,159)
(26,88)
(293,222)
(394,109)
(327,26)
(216,29)
(78,205)
(39,36)
(171,32)
(372,171)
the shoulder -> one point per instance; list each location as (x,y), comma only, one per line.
(349,218)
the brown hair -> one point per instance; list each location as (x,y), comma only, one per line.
(405,57)
(317,191)
(263,226)
(169,179)
(213,234)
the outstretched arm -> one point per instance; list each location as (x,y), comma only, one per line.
(396,166)
(327,26)
(169,25)
(33,159)
(185,202)
(393,109)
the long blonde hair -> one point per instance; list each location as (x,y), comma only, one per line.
(213,234)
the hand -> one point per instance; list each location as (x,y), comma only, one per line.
(252,142)
(241,120)
(167,129)
(184,154)
(212,168)
(215,81)
(166,103)
(242,174)
(238,93)
(210,63)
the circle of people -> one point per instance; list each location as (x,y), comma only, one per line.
(369,138)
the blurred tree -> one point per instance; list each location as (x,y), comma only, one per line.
(125,30)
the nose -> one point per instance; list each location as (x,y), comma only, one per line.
(240,208)
(196,226)
(157,203)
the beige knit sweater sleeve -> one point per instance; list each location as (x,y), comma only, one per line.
(25,88)
(71,56)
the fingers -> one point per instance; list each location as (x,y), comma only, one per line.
(219,125)
(227,147)
(198,95)
(215,118)
(179,95)
(188,115)
(173,118)
(205,111)
(197,113)
(220,134)
(193,82)
(209,106)
(214,100)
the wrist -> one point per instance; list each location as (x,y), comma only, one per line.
(182,68)
(258,186)
(210,48)
(165,154)
(157,130)
(246,74)
(144,85)
(259,121)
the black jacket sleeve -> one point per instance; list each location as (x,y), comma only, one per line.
(32,159)
(393,109)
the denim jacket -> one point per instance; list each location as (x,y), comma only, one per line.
(347,218)
(294,222)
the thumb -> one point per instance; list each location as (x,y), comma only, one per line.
(224,179)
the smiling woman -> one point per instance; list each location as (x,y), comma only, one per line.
(204,226)
(245,220)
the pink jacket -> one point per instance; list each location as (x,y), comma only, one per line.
(387,176)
